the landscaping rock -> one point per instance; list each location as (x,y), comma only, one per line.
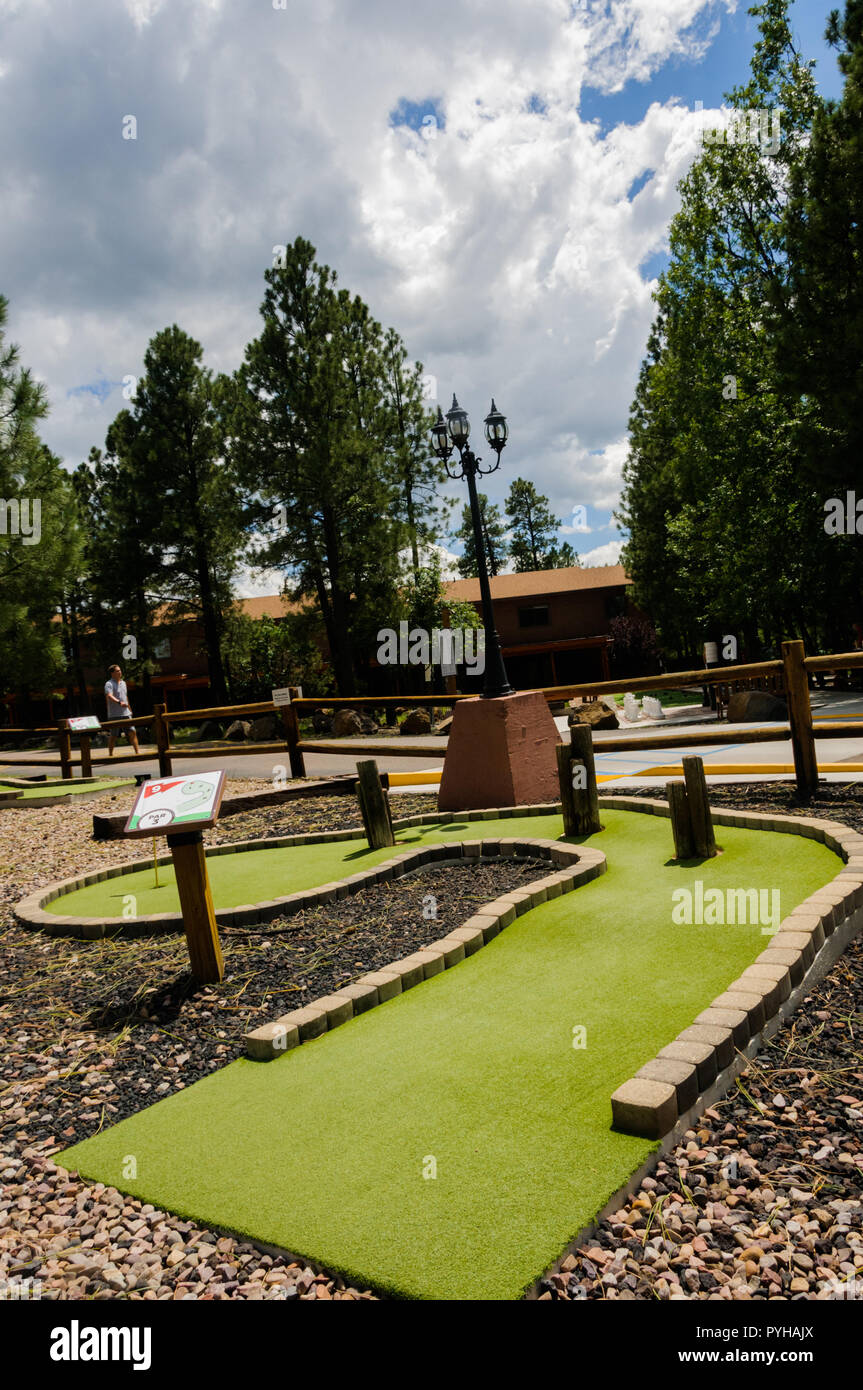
(322,721)
(746,706)
(594,713)
(209,731)
(416,721)
(346,722)
(238,731)
(267,729)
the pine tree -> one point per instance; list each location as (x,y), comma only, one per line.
(314,443)
(533,527)
(494,538)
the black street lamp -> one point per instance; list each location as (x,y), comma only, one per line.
(454,430)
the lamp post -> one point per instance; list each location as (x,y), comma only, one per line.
(454,431)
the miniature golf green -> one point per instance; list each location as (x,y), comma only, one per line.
(39,790)
(473,1075)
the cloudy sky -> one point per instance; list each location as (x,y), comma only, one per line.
(495,178)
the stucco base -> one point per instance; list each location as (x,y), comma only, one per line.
(500,753)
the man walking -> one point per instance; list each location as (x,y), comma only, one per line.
(117,700)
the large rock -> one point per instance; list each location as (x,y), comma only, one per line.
(322,721)
(594,713)
(268,728)
(749,706)
(346,722)
(416,721)
(208,731)
(238,731)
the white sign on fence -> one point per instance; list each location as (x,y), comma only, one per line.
(282,697)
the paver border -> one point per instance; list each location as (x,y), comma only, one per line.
(707,1053)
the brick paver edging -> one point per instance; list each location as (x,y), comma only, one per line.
(30,911)
(711,1050)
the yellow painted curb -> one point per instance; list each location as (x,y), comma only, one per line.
(408,779)
(731,769)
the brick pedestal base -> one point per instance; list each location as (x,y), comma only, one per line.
(500,753)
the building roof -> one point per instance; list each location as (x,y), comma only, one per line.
(537,583)
(270,606)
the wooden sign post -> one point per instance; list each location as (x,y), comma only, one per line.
(196,904)
(84,725)
(374,806)
(181,808)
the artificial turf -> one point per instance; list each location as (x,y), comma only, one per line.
(40,790)
(472,1073)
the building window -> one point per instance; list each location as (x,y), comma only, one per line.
(537,616)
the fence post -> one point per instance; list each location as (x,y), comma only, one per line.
(163,738)
(65,744)
(292,734)
(86,763)
(800,718)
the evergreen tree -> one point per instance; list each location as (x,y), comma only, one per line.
(494,537)
(165,476)
(717,509)
(532,543)
(313,441)
(40,539)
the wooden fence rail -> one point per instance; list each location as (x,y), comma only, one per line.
(793,669)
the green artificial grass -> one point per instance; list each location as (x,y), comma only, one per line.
(40,790)
(323,1151)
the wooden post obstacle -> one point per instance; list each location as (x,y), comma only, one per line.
(577,776)
(681,823)
(691,821)
(374,806)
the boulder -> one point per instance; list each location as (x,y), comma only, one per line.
(346,722)
(595,713)
(208,731)
(416,721)
(238,731)
(268,728)
(749,706)
(322,721)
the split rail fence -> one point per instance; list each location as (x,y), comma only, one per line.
(791,673)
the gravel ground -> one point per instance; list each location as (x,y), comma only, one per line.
(763,1200)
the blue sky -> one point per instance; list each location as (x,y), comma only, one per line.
(495,177)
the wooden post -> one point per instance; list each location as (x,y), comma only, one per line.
(584,794)
(196,903)
(565,765)
(374,806)
(800,718)
(292,735)
(65,743)
(86,763)
(703,838)
(681,823)
(162,730)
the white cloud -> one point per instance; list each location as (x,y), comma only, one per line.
(608,554)
(505,249)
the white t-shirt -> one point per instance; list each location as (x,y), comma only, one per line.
(116,694)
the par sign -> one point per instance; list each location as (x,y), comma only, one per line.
(175,804)
(82,723)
